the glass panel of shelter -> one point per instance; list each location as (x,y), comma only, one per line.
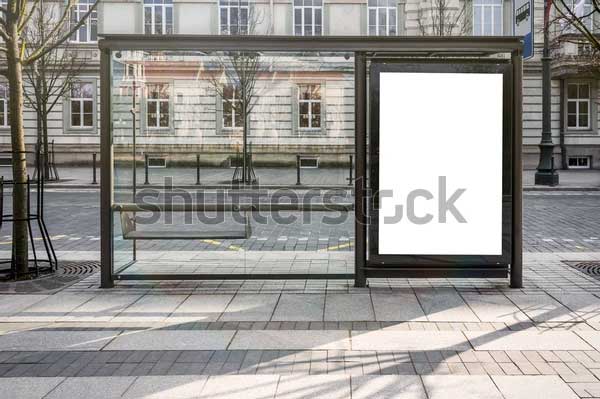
(193,128)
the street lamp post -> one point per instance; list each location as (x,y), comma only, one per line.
(546,174)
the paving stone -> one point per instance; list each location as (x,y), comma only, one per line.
(525,340)
(463,387)
(158,387)
(533,387)
(495,308)
(397,307)
(31,388)
(349,307)
(101,308)
(543,308)
(311,386)
(56,340)
(409,340)
(291,340)
(300,307)
(172,340)
(52,308)
(206,308)
(11,304)
(236,386)
(249,307)
(445,305)
(91,388)
(151,308)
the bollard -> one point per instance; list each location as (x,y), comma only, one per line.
(197,169)
(350,172)
(298,183)
(94,181)
(146,181)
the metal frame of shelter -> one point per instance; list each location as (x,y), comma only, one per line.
(365,49)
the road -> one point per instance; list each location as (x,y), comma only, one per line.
(553,222)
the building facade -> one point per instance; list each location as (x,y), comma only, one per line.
(303,107)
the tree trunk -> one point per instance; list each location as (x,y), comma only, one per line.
(19,157)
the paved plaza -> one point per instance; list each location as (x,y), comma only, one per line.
(399,338)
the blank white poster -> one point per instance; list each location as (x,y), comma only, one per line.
(440,164)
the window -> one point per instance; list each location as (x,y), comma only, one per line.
(4,110)
(158,17)
(584,10)
(308,17)
(157,162)
(309,106)
(82,105)
(157,106)
(232,107)
(88,32)
(487,17)
(382,17)
(234,17)
(309,162)
(578,105)
(579,163)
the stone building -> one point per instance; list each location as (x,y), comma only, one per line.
(304,103)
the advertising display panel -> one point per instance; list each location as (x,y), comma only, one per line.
(440,177)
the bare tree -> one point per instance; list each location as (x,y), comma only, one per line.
(442,18)
(15,19)
(237,74)
(50,78)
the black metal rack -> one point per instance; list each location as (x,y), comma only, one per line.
(34,215)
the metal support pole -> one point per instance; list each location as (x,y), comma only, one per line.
(360,186)
(298,183)
(146,181)
(545,174)
(516,263)
(106,176)
(197,169)
(94,181)
(351,171)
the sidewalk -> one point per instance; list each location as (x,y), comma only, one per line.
(400,338)
(81,177)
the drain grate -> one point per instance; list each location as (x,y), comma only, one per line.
(78,268)
(589,268)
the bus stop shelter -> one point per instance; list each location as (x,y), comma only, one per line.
(131,64)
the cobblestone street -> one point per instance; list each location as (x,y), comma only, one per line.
(553,222)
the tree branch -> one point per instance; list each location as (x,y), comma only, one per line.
(48,45)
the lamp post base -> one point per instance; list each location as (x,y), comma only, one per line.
(546,178)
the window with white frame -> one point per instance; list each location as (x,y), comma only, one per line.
(233,15)
(579,162)
(309,106)
(88,31)
(158,17)
(308,17)
(158,98)
(487,17)
(232,107)
(578,105)
(4,109)
(382,19)
(82,105)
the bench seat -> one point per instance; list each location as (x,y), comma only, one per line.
(185,235)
